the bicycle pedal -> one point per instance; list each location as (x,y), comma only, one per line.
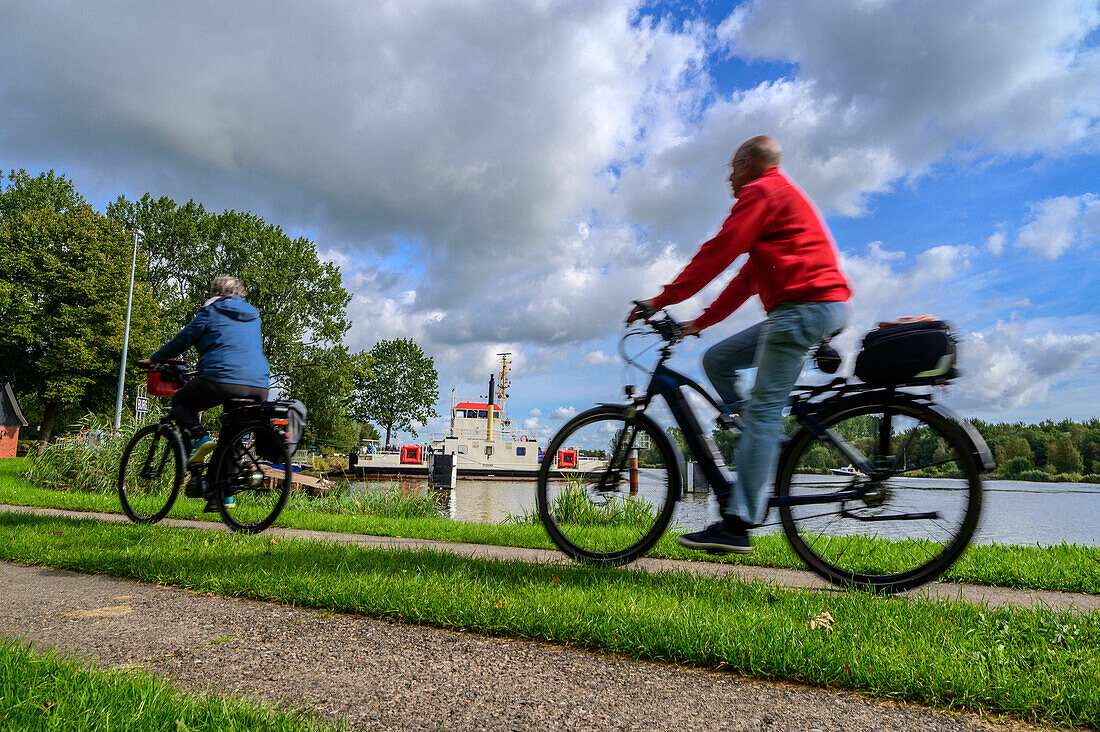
(725,422)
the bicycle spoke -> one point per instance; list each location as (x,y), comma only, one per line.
(900,532)
(617,498)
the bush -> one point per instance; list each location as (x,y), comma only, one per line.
(1017,466)
(1038,476)
(86,461)
(1091,478)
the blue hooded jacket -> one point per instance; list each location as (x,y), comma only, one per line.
(227,335)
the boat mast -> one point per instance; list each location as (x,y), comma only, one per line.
(503,384)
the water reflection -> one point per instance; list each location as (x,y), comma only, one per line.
(1013,512)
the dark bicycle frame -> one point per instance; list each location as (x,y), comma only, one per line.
(229,418)
(668,383)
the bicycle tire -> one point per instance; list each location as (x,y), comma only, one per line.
(604,511)
(871,542)
(238,474)
(150,473)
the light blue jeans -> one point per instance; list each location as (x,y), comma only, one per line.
(778,348)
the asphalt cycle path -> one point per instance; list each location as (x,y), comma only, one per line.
(978,594)
(382,675)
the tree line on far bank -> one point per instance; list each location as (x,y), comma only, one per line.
(64,278)
(1065,450)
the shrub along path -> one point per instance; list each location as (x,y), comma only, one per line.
(380,675)
(980,594)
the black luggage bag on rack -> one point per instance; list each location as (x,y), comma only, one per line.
(908,352)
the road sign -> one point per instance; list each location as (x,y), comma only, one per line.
(141,403)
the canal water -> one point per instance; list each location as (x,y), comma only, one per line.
(1013,512)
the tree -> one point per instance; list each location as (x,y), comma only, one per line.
(400,389)
(64,275)
(325,382)
(1063,456)
(301,298)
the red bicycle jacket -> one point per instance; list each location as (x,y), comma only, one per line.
(791,254)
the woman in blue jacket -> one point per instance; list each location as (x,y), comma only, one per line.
(226,333)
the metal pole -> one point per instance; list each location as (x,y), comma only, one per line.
(126,336)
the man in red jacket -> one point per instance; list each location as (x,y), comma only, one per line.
(792,266)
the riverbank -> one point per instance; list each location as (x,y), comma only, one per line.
(1067,568)
(1033,663)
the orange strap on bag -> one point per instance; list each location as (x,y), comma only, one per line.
(906,319)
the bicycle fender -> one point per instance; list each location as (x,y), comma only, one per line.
(978,448)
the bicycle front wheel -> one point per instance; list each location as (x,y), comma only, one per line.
(608,486)
(150,474)
(913,519)
(250,493)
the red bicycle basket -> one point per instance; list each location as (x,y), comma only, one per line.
(158,384)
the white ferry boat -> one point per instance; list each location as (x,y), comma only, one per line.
(481,439)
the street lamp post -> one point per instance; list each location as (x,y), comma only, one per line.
(126,334)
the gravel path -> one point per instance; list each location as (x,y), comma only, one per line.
(380,675)
(781,577)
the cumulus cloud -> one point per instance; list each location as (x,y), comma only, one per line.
(1059,223)
(563,413)
(599,359)
(484,192)
(881,91)
(1005,368)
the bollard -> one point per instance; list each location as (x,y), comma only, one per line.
(634,472)
(442,470)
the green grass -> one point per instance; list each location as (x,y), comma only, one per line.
(1034,664)
(47,691)
(1066,568)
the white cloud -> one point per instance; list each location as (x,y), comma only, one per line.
(996,243)
(563,413)
(599,359)
(1059,223)
(484,192)
(1005,368)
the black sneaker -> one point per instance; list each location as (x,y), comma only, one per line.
(718,539)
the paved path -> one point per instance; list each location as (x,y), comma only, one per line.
(780,577)
(380,675)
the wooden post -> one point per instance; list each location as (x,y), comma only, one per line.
(634,472)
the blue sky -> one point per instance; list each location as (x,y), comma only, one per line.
(506,176)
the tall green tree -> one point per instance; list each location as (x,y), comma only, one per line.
(401,388)
(1063,456)
(64,276)
(300,297)
(325,381)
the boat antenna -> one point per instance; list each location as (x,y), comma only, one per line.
(503,384)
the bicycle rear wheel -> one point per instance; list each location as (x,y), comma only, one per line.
(250,498)
(914,520)
(150,474)
(608,486)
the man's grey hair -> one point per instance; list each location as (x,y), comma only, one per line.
(764,148)
(224,286)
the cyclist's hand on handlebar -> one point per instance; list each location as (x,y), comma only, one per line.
(688,329)
(642,310)
(146,364)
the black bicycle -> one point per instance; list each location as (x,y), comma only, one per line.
(236,474)
(849,489)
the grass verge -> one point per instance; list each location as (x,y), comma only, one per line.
(1034,664)
(1065,568)
(48,691)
